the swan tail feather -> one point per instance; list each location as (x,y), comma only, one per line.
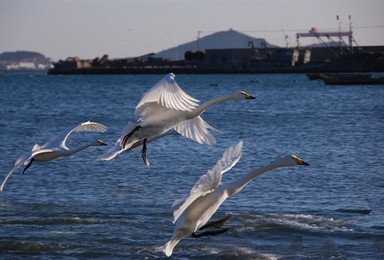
(168,247)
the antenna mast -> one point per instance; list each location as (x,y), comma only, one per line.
(340,39)
(198,40)
(350,37)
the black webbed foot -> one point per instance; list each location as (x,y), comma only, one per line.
(210,233)
(217,223)
(144,153)
(213,224)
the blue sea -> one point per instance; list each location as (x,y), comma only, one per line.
(81,208)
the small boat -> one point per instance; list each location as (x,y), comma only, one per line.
(352,79)
(315,76)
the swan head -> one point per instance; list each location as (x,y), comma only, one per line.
(101,143)
(242,95)
(292,160)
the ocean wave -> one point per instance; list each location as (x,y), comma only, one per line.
(51,221)
(221,251)
(355,211)
(33,246)
(272,222)
(378,227)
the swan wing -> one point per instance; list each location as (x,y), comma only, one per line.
(196,129)
(36,147)
(61,138)
(166,93)
(50,153)
(8,175)
(230,158)
(208,182)
(151,110)
(23,160)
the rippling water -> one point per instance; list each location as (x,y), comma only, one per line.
(81,208)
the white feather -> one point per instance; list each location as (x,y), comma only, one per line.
(208,182)
(166,93)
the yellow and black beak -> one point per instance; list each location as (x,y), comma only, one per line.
(247,96)
(101,142)
(299,161)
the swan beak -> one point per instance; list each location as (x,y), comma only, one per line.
(101,142)
(304,163)
(299,161)
(248,96)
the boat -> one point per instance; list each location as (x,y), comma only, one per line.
(222,61)
(330,58)
(319,76)
(352,79)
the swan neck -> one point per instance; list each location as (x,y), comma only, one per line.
(236,186)
(198,111)
(79,148)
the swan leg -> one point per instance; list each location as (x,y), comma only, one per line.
(216,224)
(144,152)
(210,233)
(28,165)
(125,139)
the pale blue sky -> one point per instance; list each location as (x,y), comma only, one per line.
(126,28)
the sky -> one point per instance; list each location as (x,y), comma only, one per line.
(127,28)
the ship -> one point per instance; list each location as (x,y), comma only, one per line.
(339,56)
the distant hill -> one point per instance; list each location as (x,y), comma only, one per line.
(230,39)
(23,60)
(22,56)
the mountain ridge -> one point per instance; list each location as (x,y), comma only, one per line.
(16,60)
(230,39)
(21,56)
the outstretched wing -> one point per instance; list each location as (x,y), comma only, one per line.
(209,182)
(230,158)
(196,129)
(60,139)
(23,160)
(168,94)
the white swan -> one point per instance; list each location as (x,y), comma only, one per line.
(56,148)
(163,107)
(206,196)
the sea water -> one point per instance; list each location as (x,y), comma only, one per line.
(78,207)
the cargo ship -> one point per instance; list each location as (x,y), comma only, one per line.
(337,57)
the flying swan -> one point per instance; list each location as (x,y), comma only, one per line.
(193,213)
(56,148)
(164,107)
